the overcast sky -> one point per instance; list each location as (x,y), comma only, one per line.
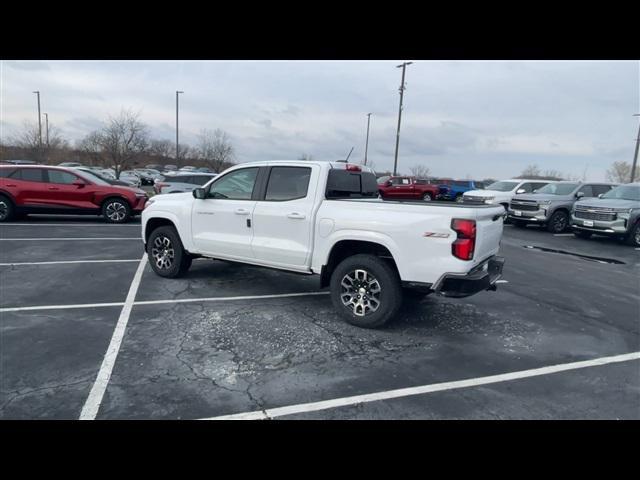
(460,118)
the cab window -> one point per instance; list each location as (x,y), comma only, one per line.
(237,185)
(587,190)
(287,183)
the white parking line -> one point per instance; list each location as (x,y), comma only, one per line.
(502,281)
(270,413)
(66,239)
(160,302)
(92,404)
(62,262)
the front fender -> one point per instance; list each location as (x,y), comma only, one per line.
(182,226)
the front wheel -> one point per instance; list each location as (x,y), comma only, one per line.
(633,237)
(365,291)
(558,222)
(7,211)
(427,197)
(459,198)
(167,256)
(116,210)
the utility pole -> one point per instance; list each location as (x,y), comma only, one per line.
(177,145)
(635,155)
(37,92)
(395,161)
(366,146)
(46,119)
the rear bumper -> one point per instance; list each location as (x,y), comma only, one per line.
(483,277)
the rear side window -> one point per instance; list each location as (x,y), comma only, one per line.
(5,172)
(29,174)
(58,176)
(200,179)
(348,184)
(600,189)
(587,190)
(288,183)
(461,184)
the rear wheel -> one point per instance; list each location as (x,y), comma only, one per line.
(7,210)
(365,290)
(582,234)
(558,222)
(167,256)
(633,237)
(459,198)
(427,197)
(116,210)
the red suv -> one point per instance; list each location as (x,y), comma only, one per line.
(392,188)
(44,189)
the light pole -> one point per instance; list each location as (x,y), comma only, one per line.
(395,161)
(635,155)
(37,92)
(46,122)
(366,145)
(177,145)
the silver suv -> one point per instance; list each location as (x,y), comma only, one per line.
(616,214)
(551,205)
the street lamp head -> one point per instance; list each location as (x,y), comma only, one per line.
(179,91)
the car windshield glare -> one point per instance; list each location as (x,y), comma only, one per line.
(624,192)
(502,186)
(558,188)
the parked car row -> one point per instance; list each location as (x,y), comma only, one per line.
(427,189)
(183,181)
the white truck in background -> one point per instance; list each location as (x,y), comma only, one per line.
(324,218)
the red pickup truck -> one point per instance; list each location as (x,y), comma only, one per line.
(397,188)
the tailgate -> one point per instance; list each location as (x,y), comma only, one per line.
(489,225)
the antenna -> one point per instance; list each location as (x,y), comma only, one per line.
(349,154)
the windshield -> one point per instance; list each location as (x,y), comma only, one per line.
(382,180)
(92,177)
(624,192)
(502,186)
(558,188)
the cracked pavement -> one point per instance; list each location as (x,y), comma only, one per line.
(204,359)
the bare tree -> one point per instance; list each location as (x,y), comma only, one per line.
(620,172)
(90,146)
(532,171)
(162,148)
(215,148)
(29,140)
(420,171)
(121,140)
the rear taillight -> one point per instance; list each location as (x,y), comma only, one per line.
(353,168)
(464,245)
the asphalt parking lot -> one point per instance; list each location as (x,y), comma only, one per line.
(256,343)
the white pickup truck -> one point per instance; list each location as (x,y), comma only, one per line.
(325,218)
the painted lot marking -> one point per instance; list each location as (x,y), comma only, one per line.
(62,262)
(159,302)
(92,404)
(270,413)
(563,235)
(66,239)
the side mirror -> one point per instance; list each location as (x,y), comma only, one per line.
(199,193)
(79,183)
(600,196)
(388,183)
(521,190)
(535,190)
(579,194)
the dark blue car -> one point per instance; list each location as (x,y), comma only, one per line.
(457,187)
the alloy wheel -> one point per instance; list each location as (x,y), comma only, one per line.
(427,197)
(559,223)
(360,292)
(4,209)
(116,211)
(162,252)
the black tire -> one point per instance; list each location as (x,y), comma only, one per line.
(166,254)
(582,234)
(116,210)
(633,237)
(558,222)
(459,198)
(7,209)
(427,197)
(519,223)
(388,283)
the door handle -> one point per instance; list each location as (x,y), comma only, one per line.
(296,216)
(242,211)
(54,188)
(10,185)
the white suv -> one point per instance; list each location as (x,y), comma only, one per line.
(503,191)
